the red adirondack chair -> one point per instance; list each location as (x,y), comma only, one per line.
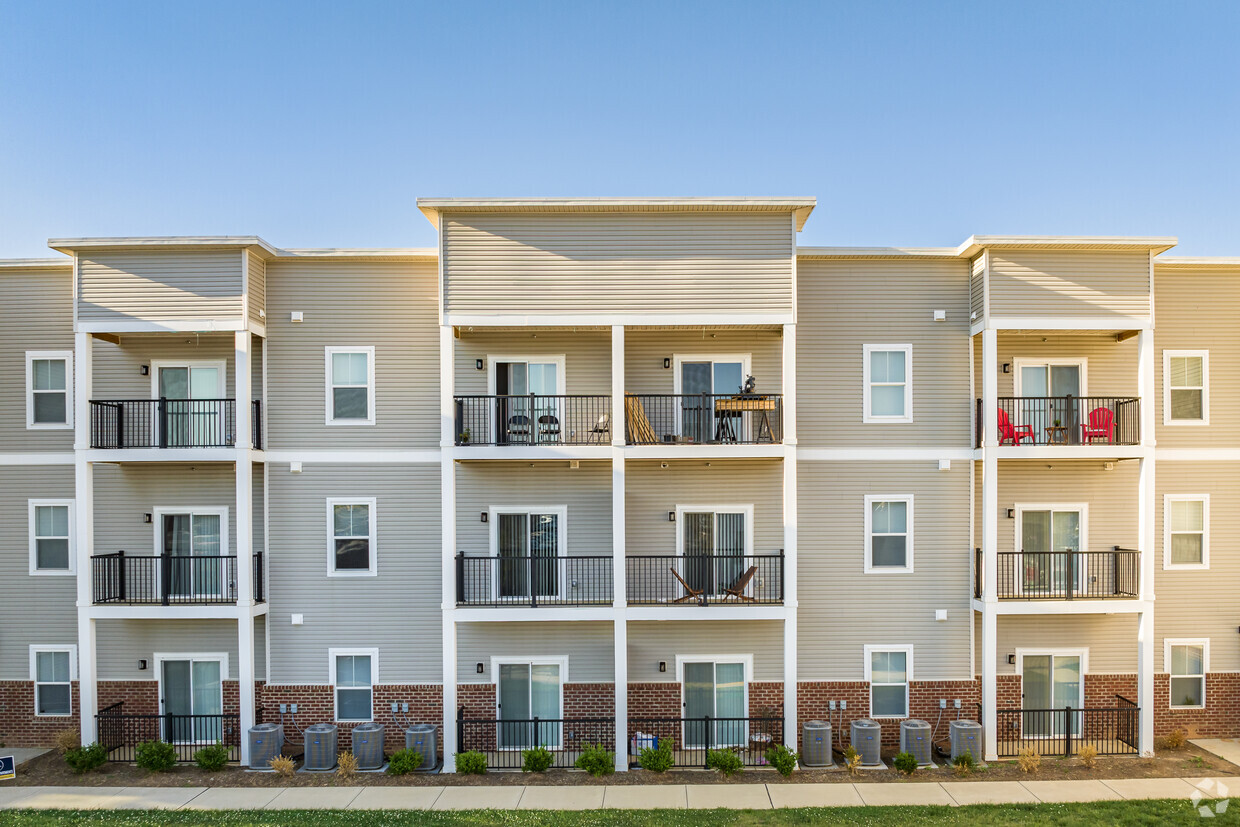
(1013,432)
(1101,424)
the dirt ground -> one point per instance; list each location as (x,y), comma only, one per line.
(1188,762)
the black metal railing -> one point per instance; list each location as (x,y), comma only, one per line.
(979,559)
(1062,732)
(503,741)
(170,423)
(533,580)
(120,732)
(704,579)
(167,579)
(1064,420)
(533,419)
(703,418)
(1063,575)
(692,739)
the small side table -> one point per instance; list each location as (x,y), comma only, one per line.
(1056,435)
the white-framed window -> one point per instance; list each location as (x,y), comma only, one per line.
(888,383)
(888,533)
(1186,531)
(1187,660)
(888,670)
(1186,387)
(51,537)
(351,532)
(353,674)
(527,688)
(529,545)
(49,389)
(53,670)
(350,385)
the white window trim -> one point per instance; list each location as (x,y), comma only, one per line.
(1205,387)
(329,408)
(35,649)
(561,513)
(1168,499)
(746,360)
(34,554)
(1033,362)
(561,662)
(867,652)
(870,568)
(1078,652)
(221,366)
(1204,643)
(373,504)
(373,654)
(157,520)
(866,416)
(557,359)
(31,356)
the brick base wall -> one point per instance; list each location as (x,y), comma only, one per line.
(317,704)
(813,699)
(20,727)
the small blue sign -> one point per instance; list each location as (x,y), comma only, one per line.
(8,768)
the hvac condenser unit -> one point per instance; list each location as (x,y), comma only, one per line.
(867,740)
(368,745)
(320,747)
(266,742)
(966,736)
(915,737)
(421,738)
(816,744)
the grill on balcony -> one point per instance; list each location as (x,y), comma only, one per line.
(168,580)
(169,423)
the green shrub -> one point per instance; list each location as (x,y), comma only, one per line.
(964,763)
(85,759)
(404,761)
(782,759)
(213,758)
(724,760)
(905,762)
(596,760)
(155,756)
(538,759)
(658,758)
(471,763)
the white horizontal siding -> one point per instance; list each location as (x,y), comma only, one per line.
(38,315)
(587,645)
(1110,639)
(645,351)
(122,643)
(125,284)
(118,368)
(257,290)
(977,289)
(125,492)
(1111,367)
(653,641)
(1069,283)
(587,355)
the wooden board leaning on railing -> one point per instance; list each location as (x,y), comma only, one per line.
(636,425)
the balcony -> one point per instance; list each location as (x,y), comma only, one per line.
(120,732)
(532,419)
(1065,420)
(533,580)
(1063,575)
(703,419)
(168,580)
(1062,732)
(170,423)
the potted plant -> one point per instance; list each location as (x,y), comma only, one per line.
(1057,423)
(463,437)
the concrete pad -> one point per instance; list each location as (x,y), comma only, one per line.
(23,754)
(641,797)
(910,793)
(71,798)
(1152,787)
(10,796)
(154,798)
(989,792)
(562,798)
(1070,791)
(1226,748)
(314,798)
(813,795)
(396,798)
(727,796)
(233,798)
(478,798)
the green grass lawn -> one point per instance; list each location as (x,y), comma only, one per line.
(1110,812)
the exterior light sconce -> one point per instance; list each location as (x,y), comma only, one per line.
(478,667)
(1007,367)
(146,518)
(1011,660)
(671,516)
(667,363)
(1011,512)
(662,666)
(141,664)
(484,517)
(145,370)
(478,364)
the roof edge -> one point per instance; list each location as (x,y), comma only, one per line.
(36,263)
(877,252)
(70,245)
(801,206)
(976,243)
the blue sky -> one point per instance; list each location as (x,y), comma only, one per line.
(318,124)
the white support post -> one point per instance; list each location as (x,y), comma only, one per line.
(447,520)
(620,655)
(1147,503)
(617,386)
(84,526)
(990,545)
(245,538)
(789,427)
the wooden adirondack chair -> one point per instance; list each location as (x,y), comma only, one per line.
(737,589)
(690,592)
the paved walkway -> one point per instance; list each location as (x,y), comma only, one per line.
(634,797)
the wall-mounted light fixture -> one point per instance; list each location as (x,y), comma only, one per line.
(662,666)
(484,517)
(1012,660)
(478,667)
(146,518)
(1011,512)
(145,370)
(667,363)
(671,516)
(141,664)
(478,364)
(1007,367)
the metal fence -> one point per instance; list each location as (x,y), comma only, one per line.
(692,739)
(704,579)
(120,732)
(1055,732)
(1065,575)
(169,423)
(533,419)
(533,580)
(502,742)
(1064,420)
(168,579)
(703,418)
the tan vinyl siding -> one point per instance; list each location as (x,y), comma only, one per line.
(653,641)
(596,263)
(1069,283)
(1196,604)
(1110,366)
(588,645)
(587,356)
(841,608)
(397,611)
(1197,310)
(33,608)
(645,351)
(117,370)
(122,643)
(844,305)
(126,491)
(257,289)
(1110,639)
(387,305)
(977,289)
(38,308)
(155,285)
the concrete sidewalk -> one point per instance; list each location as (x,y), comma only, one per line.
(642,797)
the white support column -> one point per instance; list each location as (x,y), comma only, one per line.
(1147,503)
(447,519)
(990,544)
(617,386)
(245,538)
(84,527)
(789,388)
(620,636)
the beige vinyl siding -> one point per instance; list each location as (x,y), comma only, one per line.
(1197,310)
(39,608)
(397,611)
(653,641)
(387,305)
(587,366)
(117,369)
(125,492)
(1196,604)
(257,288)
(1069,282)
(122,284)
(588,645)
(977,289)
(841,608)
(597,263)
(1110,366)
(1110,639)
(38,315)
(645,351)
(846,304)
(122,643)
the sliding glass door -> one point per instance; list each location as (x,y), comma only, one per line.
(194,544)
(715,690)
(192,699)
(527,691)
(714,550)
(697,412)
(528,545)
(1050,542)
(1050,682)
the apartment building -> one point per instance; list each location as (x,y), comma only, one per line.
(595,470)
